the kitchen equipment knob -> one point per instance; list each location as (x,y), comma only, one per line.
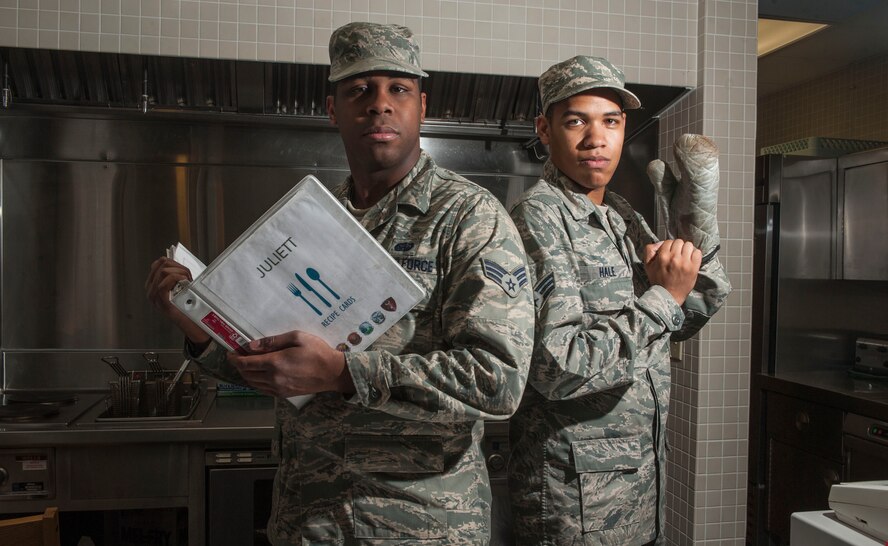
(802,420)
(496,462)
(4,475)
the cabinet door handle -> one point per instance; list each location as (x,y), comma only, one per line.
(802,420)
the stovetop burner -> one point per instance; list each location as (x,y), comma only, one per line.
(22,410)
(58,398)
(27,411)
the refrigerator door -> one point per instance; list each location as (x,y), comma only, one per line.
(795,264)
(807,195)
(863,244)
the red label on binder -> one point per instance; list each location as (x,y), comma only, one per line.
(221,328)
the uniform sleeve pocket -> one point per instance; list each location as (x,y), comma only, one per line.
(608,470)
(395,483)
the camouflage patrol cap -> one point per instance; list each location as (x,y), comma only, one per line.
(356,48)
(582,73)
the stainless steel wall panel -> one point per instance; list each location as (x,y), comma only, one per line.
(78,238)
(78,138)
(478,155)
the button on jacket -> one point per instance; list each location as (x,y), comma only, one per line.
(588,441)
(400,459)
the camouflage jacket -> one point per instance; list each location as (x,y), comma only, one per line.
(400,459)
(588,439)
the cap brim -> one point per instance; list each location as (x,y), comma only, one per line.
(375,65)
(629,99)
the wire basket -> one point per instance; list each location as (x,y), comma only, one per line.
(153,394)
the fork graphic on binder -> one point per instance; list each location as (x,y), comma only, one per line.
(298,293)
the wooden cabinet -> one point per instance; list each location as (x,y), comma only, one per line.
(804,459)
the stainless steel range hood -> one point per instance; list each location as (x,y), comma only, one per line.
(463,102)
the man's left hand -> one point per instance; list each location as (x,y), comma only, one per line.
(294,363)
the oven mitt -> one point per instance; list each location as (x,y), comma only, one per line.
(687,202)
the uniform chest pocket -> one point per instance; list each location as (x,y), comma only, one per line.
(610,483)
(397,486)
(601,294)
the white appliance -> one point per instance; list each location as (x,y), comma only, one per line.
(822,528)
(863,505)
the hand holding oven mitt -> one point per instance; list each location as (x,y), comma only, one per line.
(687,203)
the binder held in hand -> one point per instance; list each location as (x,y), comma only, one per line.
(306,264)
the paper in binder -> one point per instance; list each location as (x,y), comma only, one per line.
(306,264)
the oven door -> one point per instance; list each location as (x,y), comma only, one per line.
(865,446)
(239,488)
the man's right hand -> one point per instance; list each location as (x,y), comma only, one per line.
(164,275)
(673,264)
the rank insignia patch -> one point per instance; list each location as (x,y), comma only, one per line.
(542,289)
(510,282)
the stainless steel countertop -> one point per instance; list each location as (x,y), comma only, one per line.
(215,419)
(836,388)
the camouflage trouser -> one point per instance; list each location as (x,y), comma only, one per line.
(590,471)
(375,479)
(376,509)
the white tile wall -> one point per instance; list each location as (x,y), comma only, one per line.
(708,424)
(708,45)
(654,42)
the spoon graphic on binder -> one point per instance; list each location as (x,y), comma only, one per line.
(315,276)
(296,292)
(311,289)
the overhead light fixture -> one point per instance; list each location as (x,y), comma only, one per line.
(774,34)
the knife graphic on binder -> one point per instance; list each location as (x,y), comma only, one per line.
(311,289)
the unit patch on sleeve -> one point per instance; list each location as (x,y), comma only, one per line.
(510,282)
(542,289)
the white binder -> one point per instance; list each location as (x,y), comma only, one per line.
(306,264)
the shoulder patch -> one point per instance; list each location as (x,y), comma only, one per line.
(510,281)
(543,289)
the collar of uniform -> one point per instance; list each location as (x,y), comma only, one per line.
(573,195)
(618,209)
(578,203)
(413,190)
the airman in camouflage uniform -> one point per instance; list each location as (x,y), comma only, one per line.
(394,456)
(588,441)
